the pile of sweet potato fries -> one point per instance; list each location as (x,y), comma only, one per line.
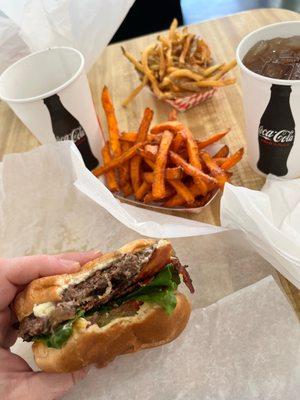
(164,164)
(178,65)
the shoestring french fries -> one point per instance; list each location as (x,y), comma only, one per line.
(178,65)
(163,164)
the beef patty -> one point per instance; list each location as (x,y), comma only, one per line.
(116,279)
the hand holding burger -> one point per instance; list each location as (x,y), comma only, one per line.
(119,303)
(17,380)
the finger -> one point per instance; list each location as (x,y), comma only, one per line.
(10,338)
(22,270)
(52,386)
(10,362)
(5,323)
(11,333)
(82,258)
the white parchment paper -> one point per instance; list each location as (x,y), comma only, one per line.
(50,203)
(53,183)
(86,25)
(270,220)
(57,202)
(236,348)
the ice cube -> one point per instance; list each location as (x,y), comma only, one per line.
(293,42)
(296,72)
(260,48)
(255,52)
(278,70)
(287,56)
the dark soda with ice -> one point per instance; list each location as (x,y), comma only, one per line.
(277,58)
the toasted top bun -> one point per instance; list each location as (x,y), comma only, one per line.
(90,344)
(50,288)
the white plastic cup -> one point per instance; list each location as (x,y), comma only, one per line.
(55,74)
(256,96)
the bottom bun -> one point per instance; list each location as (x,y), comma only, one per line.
(90,344)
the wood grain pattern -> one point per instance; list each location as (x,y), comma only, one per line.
(224,110)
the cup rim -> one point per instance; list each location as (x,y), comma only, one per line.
(50,92)
(266,79)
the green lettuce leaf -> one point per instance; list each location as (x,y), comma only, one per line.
(59,337)
(161,290)
(164,298)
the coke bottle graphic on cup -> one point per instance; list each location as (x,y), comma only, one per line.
(276,132)
(66,127)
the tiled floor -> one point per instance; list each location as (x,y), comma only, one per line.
(199,10)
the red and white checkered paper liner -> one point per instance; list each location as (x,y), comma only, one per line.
(185,103)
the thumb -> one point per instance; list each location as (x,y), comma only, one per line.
(50,386)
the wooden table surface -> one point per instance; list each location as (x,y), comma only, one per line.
(224,110)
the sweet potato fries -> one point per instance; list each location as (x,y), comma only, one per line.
(164,164)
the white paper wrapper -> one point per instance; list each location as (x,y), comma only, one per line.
(86,25)
(245,346)
(45,196)
(43,192)
(270,220)
(48,194)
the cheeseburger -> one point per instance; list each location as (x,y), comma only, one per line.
(119,303)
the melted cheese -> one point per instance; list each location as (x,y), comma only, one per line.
(162,243)
(43,309)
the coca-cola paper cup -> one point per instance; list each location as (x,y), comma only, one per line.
(271,110)
(49,92)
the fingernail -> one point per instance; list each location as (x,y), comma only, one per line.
(74,265)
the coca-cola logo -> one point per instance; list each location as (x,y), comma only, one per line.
(75,135)
(282,136)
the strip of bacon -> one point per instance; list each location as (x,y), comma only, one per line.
(181,269)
